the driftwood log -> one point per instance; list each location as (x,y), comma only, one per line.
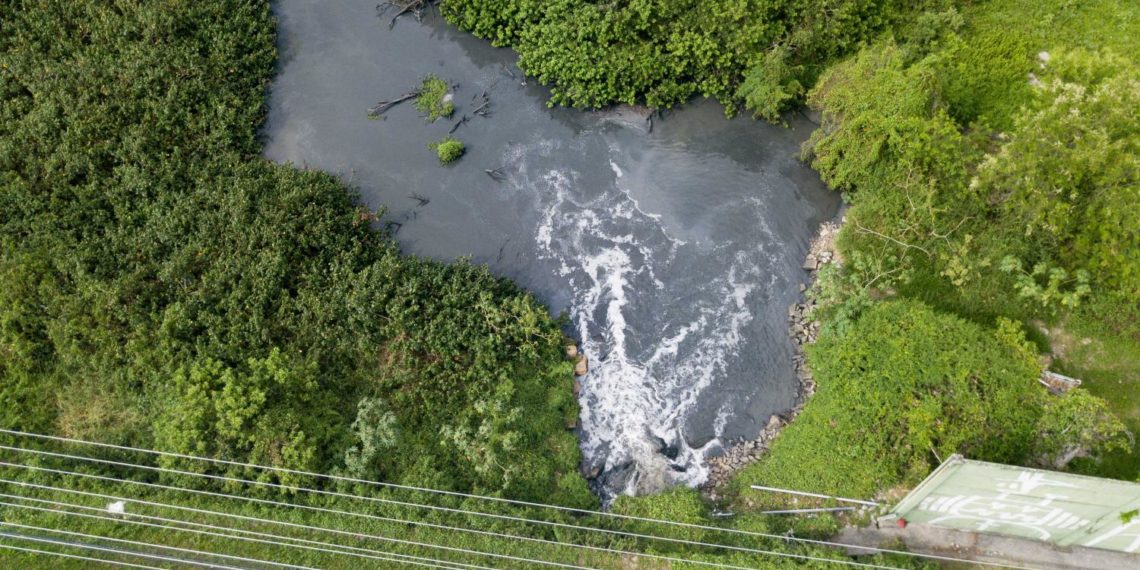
(378,110)
(413,7)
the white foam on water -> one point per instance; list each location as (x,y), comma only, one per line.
(646,377)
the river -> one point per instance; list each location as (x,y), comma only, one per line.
(675,250)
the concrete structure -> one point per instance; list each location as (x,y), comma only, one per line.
(1058,508)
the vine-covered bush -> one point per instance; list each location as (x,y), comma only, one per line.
(1041,210)
(906,386)
(663,52)
(161,285)
(1068,180)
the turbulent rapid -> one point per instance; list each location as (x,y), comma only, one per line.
(674,250)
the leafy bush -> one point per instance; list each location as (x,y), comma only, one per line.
(448,149)
(663,52)
(1078,424)
(903,387)
(434,100)
(1069,178)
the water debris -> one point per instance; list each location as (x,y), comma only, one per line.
(483,110)
(496,174)
(413,7)
(503,247)
(457,124)
(377,111)
(420,199)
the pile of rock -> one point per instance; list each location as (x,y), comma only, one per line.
(803,331)
(739,455)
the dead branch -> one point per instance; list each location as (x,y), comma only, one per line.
(422,200)
(499,259)
(414,7)
(381,107)
(891,239)
(461,120)
(482,109)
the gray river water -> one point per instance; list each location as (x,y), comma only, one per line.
(674,251)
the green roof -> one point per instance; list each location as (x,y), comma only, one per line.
(1059,508)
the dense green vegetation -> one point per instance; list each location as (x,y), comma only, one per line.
(433,101)
(448,149)
(992,172)
(162,286)
(663,52)
(905,386)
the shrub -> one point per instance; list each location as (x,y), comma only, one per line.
(434,99)
(902,387)
(448,149)
(1068,180)
(663,52)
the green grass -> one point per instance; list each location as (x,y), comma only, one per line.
(362,529)
(1101,346)
(1004,37)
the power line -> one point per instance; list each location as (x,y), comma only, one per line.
(160,546)
(301,526)
(359,552)
(465,495)
(377,517)
(78,557)
(378,537)
(67,544)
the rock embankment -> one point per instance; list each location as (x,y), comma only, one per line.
(803,331)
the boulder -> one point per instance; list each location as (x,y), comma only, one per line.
(582,366)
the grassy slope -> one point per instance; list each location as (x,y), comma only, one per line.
(988,84)
(1109,363)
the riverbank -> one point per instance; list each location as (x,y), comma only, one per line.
(803,331)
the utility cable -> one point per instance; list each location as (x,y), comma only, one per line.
(110,550)
(172,524)
(302,526)
(364,515)
(151,545)
(360,535)
(469,512)
(78,557)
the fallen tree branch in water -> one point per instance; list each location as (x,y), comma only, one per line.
(381,107)
(415,7)
(461,120)
(421,199)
